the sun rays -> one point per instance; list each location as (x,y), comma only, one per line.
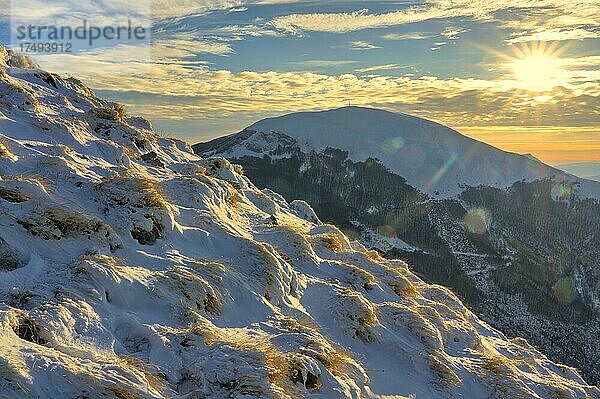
(538,66)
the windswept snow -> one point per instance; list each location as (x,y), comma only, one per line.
(433,158)
(132,268)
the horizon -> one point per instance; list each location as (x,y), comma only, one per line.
(522,77)
(501,143)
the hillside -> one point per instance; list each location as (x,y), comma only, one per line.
(132,268)
(525,257)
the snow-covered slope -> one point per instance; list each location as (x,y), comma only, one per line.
(131,268)
(432,157)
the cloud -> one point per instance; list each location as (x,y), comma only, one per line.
(386,67)
(178,91)
(320,63)
(556,34)
(453,33)
(363,45)
(406,36)
(546,19)
(354,21)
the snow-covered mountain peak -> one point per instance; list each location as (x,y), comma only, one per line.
(433,158)
(358,128)
(131,268)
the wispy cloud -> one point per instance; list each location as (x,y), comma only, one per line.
(386,67)
(320,63)
(354,21)
(406,36)
(555,34)
(363,45)
(547,19)
(453,33)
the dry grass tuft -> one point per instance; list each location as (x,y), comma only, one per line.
(56,223)
(4,151)
(204,329)
(196,293)
(498,365)
(333,242)
(124,189)
(232,199)
(374,256)
(13,196)
(122,392)
(356,314)
(283,369)
(130,153)
(155,380)
(358,277)
(401,285)
(447,378)
(335,359)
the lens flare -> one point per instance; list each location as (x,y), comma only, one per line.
(477,221)
(564,291)
(441,172)
(392,145)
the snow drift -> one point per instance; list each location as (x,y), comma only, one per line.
(131,268)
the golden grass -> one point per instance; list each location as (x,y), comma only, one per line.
(335,359)
(68,222)
(13,196)
(374,256)
(130,153)
(333,242)
(136,191)
(4,151)
(232,199)
(122,392)
(355,309)
(120,110)
(282,368)
(155,380)
(298,239)
(401,285)
(497,364)
(447,378)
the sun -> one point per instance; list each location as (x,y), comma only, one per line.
(537,66)
(538,71)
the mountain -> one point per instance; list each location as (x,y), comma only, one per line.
(431,157)
(132,268)
(586,170)
(522,249)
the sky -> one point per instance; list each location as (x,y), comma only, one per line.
(523,75)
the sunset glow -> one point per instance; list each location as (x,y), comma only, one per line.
(217,66)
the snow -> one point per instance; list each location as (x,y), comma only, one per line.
(122,278)
(432,157)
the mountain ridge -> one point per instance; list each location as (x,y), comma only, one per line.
(432,157)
